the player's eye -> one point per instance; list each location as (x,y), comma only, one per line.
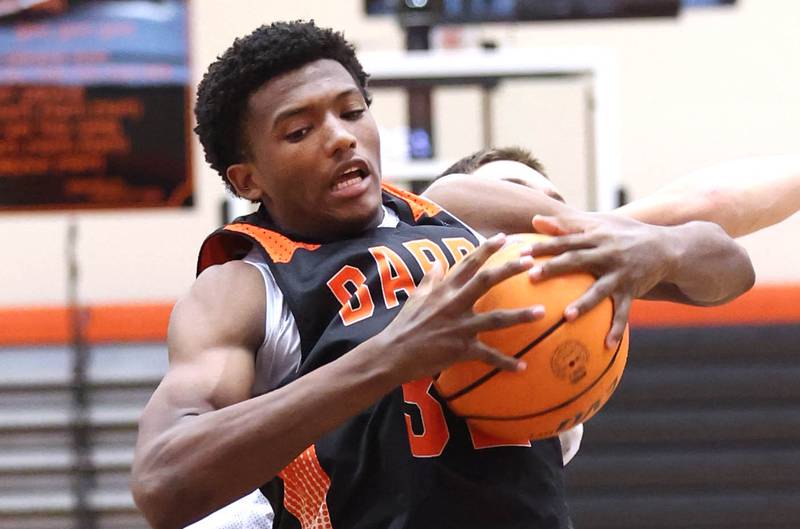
(353,114)
(297,135)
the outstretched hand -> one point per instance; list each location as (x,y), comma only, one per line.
(628,258)
(437,326)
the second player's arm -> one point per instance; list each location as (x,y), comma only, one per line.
(699,263)
(694,263)
(742,196)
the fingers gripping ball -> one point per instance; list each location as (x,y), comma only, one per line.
(570,374)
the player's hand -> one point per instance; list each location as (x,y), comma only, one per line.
(437,326)
(628,258)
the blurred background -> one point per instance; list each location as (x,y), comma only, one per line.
(105,199)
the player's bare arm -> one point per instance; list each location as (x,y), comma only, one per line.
(694,263)
(742,196)
(490,205)
(721,267)
(204,443)
(211,367)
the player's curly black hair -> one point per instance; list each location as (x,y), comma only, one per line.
(251,61)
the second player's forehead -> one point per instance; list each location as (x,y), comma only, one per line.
(318,81)
(510,170)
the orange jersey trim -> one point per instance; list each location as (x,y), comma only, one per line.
(305,490)
(419,206)
(279,247)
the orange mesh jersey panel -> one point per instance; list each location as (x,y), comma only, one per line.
(419,205)
(227,244)
(305,488)
(279,247)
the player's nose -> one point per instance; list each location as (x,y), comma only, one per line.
(339,137)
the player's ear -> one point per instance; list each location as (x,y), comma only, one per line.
(241,178)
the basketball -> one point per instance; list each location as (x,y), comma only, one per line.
(570,373)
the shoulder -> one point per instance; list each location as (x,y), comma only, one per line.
(492,205)
(451,192)
(214,331)
(455,191)
(225,304)
(227,286)
(443,183)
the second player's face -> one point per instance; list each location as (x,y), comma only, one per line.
(314,152)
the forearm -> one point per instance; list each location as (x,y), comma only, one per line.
(742,196)
(491,206)
(706,266)
(204,462)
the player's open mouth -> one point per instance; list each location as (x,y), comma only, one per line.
(349,178)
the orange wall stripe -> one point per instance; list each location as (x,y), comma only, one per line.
(103,324)
(128,323)
(763,305)
(34,326)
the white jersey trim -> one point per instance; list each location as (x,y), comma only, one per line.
(250,512)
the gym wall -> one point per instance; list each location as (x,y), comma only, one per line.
(714,84)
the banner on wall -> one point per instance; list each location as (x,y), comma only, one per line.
(94,106)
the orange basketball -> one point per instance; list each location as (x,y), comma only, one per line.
(570,374)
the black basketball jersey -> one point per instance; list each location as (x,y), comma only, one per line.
(406,461)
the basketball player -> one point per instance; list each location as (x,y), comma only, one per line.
(302,357)
(742,196)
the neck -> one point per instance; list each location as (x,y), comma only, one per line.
(324,232)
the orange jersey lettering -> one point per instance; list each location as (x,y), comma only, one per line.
(459,247)
(427,253)
(358,282)
(394,274)
(430,442)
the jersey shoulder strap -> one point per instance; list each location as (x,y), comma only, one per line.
(414,205)
(234,241)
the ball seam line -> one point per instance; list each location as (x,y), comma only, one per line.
(563,404)
(488,376)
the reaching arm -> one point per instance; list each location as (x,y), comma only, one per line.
(694,263)
(490,205)
(742,196)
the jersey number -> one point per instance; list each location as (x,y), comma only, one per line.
(432,434)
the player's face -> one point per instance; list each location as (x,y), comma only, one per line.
(519,173)
(314,153)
